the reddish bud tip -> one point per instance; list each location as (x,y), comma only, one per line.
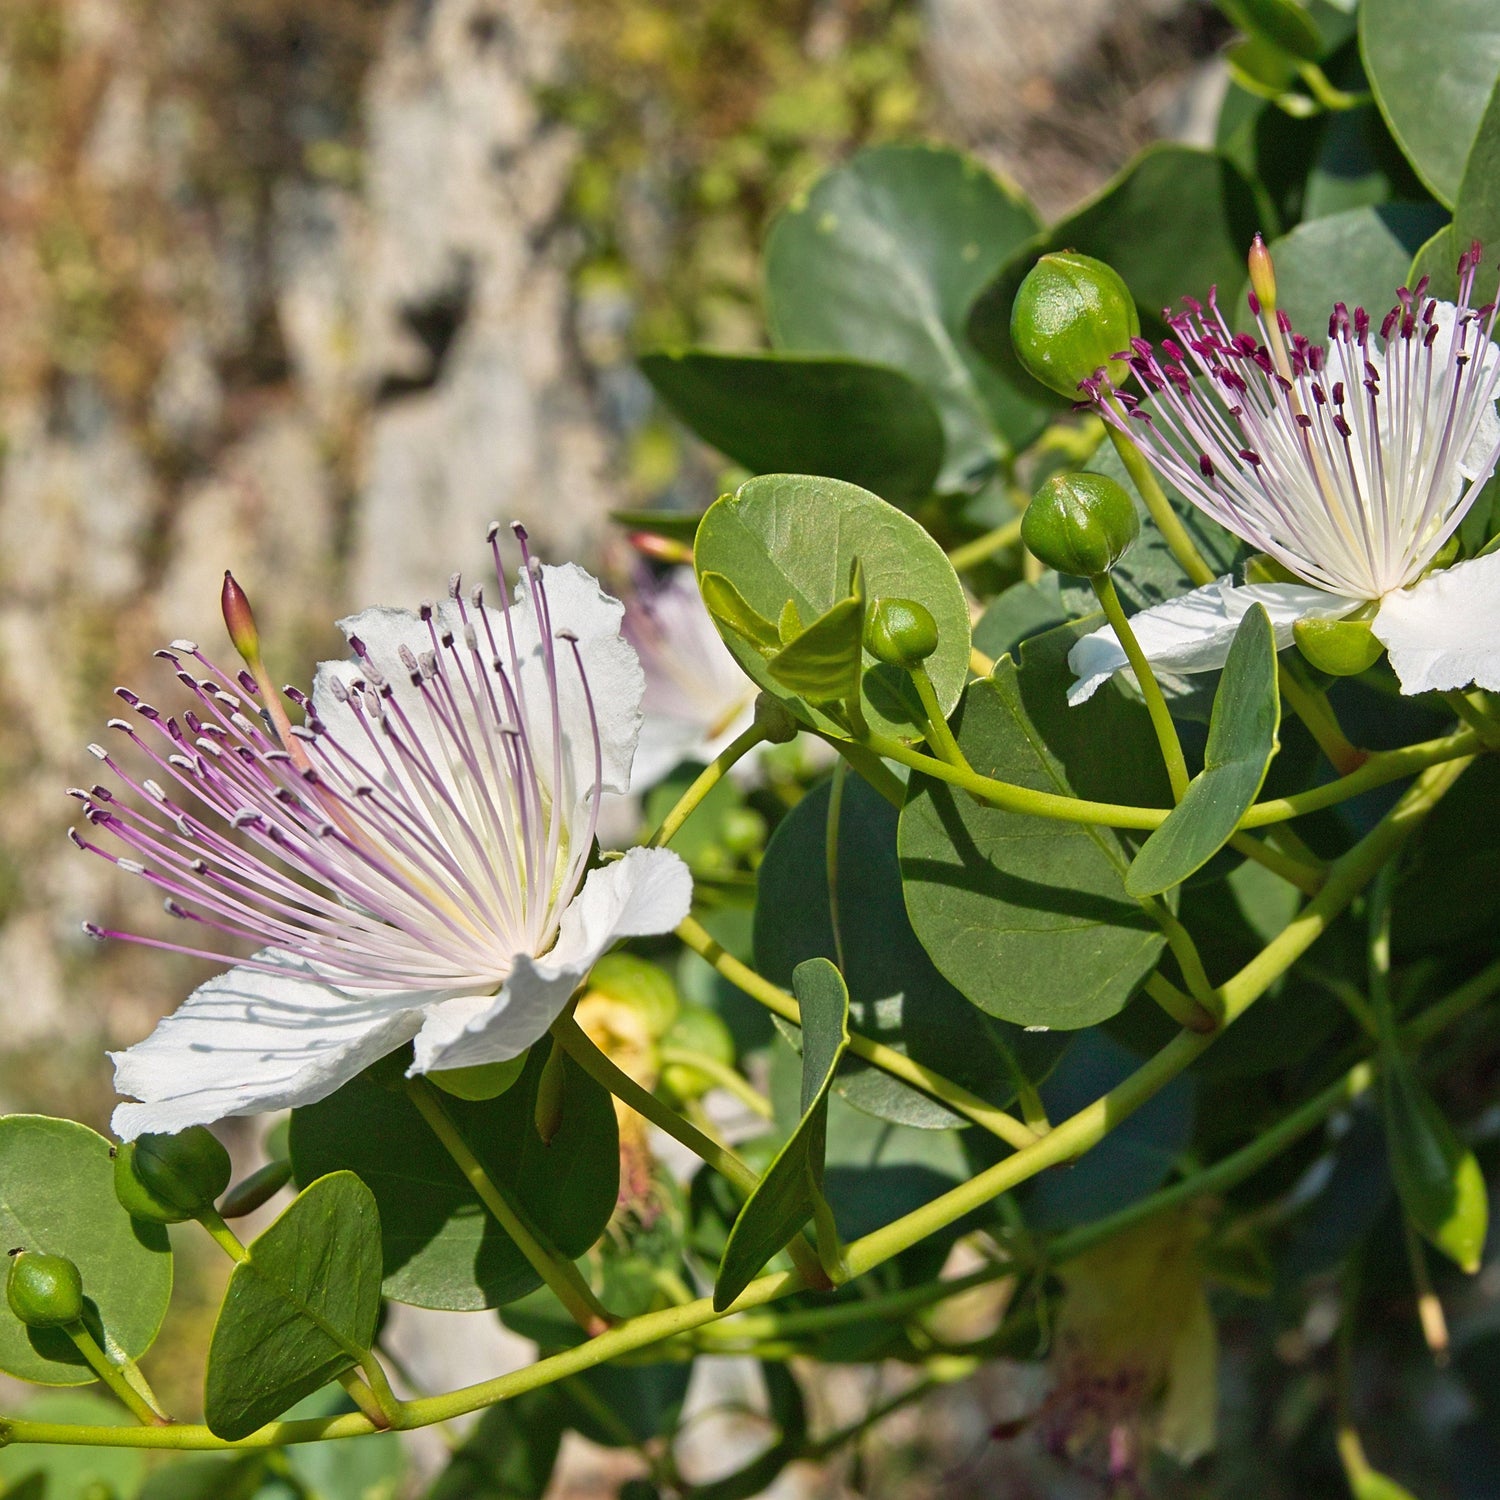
(239,619)
(1262,274)
(666,549)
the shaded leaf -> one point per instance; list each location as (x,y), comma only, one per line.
(805,414)
(300,1310)
(1242,741)
(881,259)
(1028,917)
(789,1191)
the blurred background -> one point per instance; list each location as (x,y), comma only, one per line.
(316,290)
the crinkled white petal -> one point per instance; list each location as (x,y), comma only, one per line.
(248,1041)
(616,682)
(1444,632)
(647,892)
(1194,632)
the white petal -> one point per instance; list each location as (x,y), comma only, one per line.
(1193,633)
(666,742)
(616,683)
(1444,632)
(248,1041)
(649,891)
(1478,458)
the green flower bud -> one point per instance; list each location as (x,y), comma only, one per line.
(1081,524)
(1342,648)
(482,1081)
(169,1178)
(1071,316)
(697,1029)
(900,632)
(44,1291)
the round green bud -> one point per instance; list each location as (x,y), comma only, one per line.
(1342,648)
(1071,316)
(1080,524)
(44,1291)
(642,986)
(900,632)
(697,1029)
(185,1172)
(135,1197)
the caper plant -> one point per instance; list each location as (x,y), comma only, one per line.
(1066,811)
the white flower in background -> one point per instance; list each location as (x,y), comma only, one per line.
(1350,465)
(412,859)
(698,698)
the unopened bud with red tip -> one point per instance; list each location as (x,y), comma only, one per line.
(1262,275)
(239,619)
(663,548)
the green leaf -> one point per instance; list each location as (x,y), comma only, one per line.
(1131,1161)
(1015,615)
(1477,214)
(70,1471)
(220,1477)
(808,414)
(881,260)
(300,1310)
(788,538)
(1359,257)
(509,1455)
(825,662)
(440,1247)
(792,1187)
(1282,23)
(1433,67)
(1203,197)
(57,1195)
(1440,1182)
(1028,917)
(896,996)
(1242,740)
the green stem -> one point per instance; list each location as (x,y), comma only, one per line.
(1326,93)
(573,1040)
(1185,951)
(707,779)
(559,1273)
(887,1059)
(939,735)
(832,825)
(1182,1008)
(1156,705)
(223,1236)
(1468,996)
(1312,708)
(1224,1174)
(873,770)
(1168,522)
(1307,878)
(140,1403)
(982,548)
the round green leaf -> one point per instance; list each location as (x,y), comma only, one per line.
(440,1247)
(57,1195)
(1433,67)
(70,1471)
(1477,215)
(1028,917)
(1202,196)
(881,260)
(896,995)
(804,414)
(791,537)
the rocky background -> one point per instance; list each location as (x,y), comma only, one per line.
(316,290)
